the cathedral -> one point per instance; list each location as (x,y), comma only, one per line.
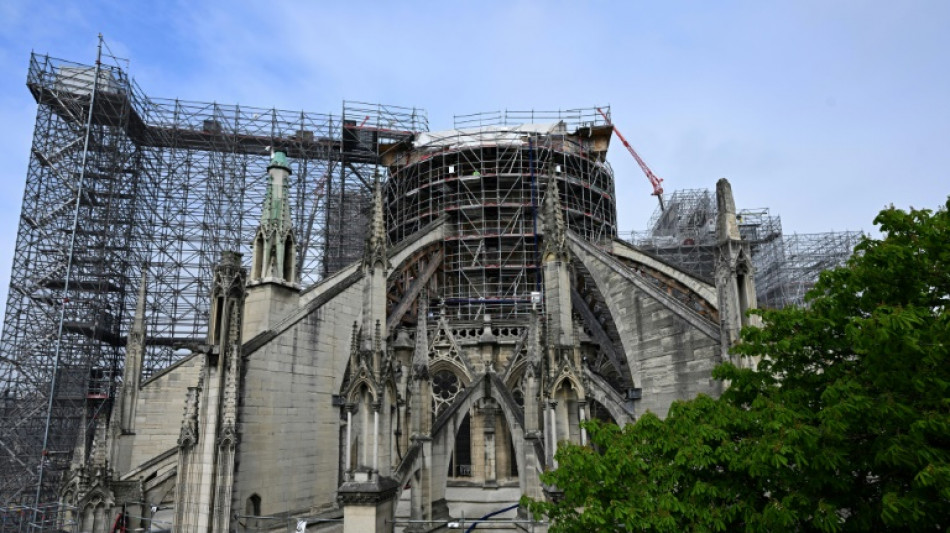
(493,311)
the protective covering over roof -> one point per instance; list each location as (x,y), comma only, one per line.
(507,135)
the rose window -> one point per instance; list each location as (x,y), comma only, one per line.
(445,388)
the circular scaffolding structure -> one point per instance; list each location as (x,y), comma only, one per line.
(489,183)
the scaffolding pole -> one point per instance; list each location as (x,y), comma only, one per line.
(118,180)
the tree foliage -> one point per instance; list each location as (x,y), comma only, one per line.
(843,426)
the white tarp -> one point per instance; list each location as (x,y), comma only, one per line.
(79,80)
(508,135)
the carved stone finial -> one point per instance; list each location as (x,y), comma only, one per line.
(123,413)
(188,436)
(533,355)
(279,159)
(726,227)
(420,356)
(378,338)
(355,347)
(555,229)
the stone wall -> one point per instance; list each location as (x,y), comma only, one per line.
(160,407)
(675,361)
(289,428)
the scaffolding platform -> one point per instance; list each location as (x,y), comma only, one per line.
(786,265)
(120,182)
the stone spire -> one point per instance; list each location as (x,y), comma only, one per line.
(275,244)
(134,353)
(735,279)
(726,226)
(555,261)
(375,252)
(277,207)
(375,271)
(555,230)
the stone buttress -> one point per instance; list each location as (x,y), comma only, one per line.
(209,436)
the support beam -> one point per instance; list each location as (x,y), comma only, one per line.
(583,249)
(601,336)
(400,310)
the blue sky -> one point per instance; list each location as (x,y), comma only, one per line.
(823,111)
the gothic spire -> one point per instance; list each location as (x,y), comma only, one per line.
(276,204)
(376,253)
(124,411)
(275,245)
(726,227)
(136,344)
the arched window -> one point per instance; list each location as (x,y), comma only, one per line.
(289,260)
(258,267)
(252,508)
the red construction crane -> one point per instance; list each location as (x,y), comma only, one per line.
(655,181)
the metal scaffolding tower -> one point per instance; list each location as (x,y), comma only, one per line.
(119,181)
(786,266)
(488,177)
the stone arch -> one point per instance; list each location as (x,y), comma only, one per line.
(568,396)
(69,503)
(593,405)
(514,381)
(95,509)
(674,292)
(388,421)
(451,366)
(574,383)
(599,390)
(444,431)
(443,440)
(361,400)
(355,390)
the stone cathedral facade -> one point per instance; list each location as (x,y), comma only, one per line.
(419,367)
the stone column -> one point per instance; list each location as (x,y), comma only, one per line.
(735,279)
(552,432)
(376,438)
(348,448)
(582,410)
(368,505)
(415,503)
(491,476)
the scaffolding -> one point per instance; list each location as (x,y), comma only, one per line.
(800,259)
(786,266)
(119,181)
(488,177)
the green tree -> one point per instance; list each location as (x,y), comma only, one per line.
(843,426)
